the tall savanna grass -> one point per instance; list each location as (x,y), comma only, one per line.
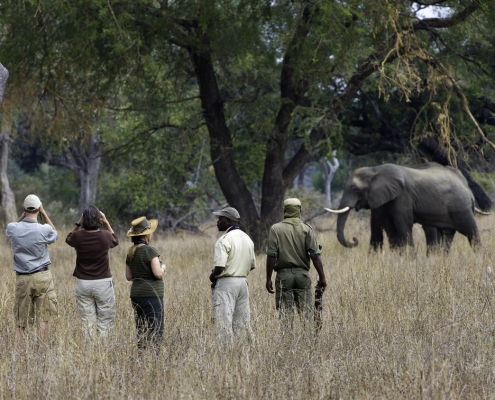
(395,326)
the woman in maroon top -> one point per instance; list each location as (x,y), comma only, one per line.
(94,286)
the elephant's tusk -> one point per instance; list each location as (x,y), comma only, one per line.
(476,209)
(345,209)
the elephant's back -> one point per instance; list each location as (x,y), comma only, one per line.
(438,193)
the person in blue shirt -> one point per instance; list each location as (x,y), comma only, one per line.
(35,297)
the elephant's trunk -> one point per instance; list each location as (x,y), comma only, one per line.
(341,220)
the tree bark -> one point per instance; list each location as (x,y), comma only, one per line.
(7,202)
(8,207)
(232,185)
(329,169)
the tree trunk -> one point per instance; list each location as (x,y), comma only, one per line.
(329,169)
(7,202)
(85,163)
(88,177)
(8,208)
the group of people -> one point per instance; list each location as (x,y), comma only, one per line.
(291,246)
(35,297)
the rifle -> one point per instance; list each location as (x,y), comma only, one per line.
(318,311)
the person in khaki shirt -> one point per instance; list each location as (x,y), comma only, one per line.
(291,246)
(234,258)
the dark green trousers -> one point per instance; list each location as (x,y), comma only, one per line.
(293,288)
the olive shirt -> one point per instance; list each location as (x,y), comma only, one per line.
(144,283)
(293,243)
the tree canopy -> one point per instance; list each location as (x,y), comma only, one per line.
(273,85)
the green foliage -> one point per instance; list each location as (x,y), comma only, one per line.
(121,71)
(311,201)
(486,181)
(56,187)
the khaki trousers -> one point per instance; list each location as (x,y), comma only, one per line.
(96,306)
(231,314)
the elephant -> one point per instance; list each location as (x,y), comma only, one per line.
(432,195)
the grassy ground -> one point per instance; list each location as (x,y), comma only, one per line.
(394,327)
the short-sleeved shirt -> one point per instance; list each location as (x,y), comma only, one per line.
(292,244)
(234,251)
(144,283)
(29,243)
(92,253)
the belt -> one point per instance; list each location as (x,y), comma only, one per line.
(33,272)
(291,268)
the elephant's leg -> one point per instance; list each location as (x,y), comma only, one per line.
(403,227)
(389,227)
(376,241)
(446,237)
(465,224)
(432,238)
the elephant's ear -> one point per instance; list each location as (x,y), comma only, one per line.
(386,185)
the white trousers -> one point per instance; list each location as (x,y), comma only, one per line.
(231,314)
(96,306)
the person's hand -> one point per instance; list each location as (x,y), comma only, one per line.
(103,218)
(322,284)
(212,276)
(269,286)
(80,221)
(41,209)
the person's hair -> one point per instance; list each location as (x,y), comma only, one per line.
(91,218)
(136,240)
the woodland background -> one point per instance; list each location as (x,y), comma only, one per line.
(171,109)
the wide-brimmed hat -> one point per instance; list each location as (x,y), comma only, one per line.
(141,226)
(32,202)
(228,212)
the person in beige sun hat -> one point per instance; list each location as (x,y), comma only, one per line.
(141,226)
(145,269)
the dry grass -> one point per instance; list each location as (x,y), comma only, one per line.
(394,327)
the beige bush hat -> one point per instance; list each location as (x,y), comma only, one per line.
(141,226)
(32,202)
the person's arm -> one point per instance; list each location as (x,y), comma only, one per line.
(47,219)
(104,220)
(23,215)
(128,273)
(157,268)
(215,272)
(322,282)
(270,264)
(77,225)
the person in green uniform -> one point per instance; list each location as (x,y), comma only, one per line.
(145,270)
(291,246)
